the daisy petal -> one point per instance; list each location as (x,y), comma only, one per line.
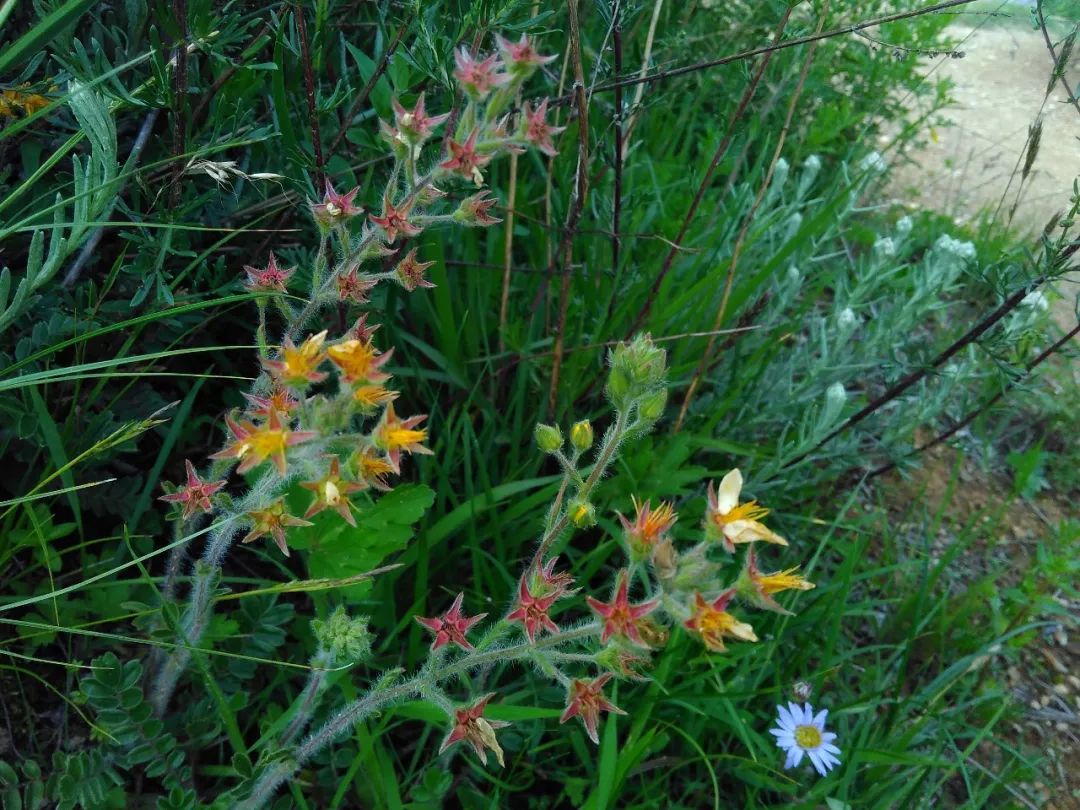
(785,718)
(796,713)
(818,764)
(819,719)
(794,754)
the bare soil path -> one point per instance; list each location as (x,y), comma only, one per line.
(965,165)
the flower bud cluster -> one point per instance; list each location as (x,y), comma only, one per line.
(346,639)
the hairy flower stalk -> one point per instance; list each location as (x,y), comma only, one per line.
(384,694)
(322,417)
(273,439)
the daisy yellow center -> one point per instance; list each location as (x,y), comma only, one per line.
(264,443)
(807,736)
(744,511)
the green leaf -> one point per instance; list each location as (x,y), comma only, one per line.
(41,34)
(337,550)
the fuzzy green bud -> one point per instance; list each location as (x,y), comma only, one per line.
(581,435)
(637,368)
(347,640)
(652,405)
(623,660)
(618,387)
(582,513)
(548,438)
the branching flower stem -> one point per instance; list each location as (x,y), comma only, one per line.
(604,458)
(385,694)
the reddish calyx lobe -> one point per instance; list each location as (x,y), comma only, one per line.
(195,495)
(532,611)
(619,616)
(471,726)
(451,627)
(586,700)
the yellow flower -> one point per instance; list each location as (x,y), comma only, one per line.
(372,397)
(253,444)
(272,521)
(759,588)
(730,522)
(13,102)
(393,435)
(359,361)
(372,469)
(712,621)
(299,365)
(648,528)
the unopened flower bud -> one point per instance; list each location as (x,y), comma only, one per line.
(885,247)
(624,660)
(836,395)
(801,691)
(582,514)
(548,438)
(665,559)
(581,435)
(348,640)
(637,369)
(651,407)
(780,173)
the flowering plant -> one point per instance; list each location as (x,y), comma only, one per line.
(322,415)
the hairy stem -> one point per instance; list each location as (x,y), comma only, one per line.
(382,695)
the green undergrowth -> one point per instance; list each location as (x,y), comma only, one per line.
(108,382)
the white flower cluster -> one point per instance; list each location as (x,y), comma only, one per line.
(954,247)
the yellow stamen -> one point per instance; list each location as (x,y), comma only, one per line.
(354,358)
(403,437)
(264,443)
(783,581)
(744,511)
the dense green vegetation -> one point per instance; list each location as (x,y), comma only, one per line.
(815,339)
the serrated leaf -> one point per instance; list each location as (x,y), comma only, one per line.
(337,550)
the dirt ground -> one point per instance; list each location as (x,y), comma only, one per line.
(966,163)
(964,169)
